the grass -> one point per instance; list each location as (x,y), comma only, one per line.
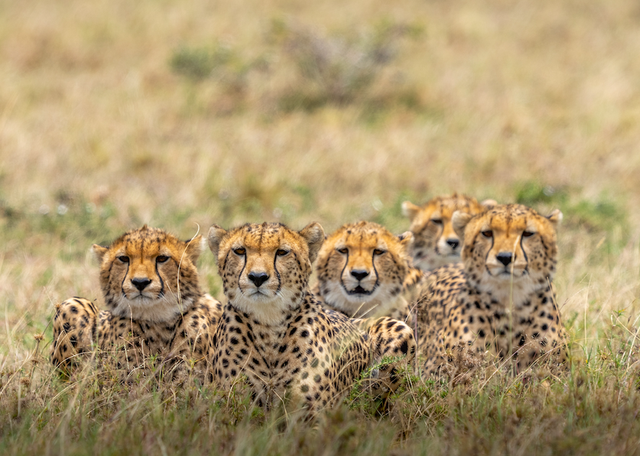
(115,114)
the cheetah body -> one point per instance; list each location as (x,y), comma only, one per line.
(155,306)
(273,330)
(501,297)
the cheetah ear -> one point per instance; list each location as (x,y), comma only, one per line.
(489,203)
(405,239)
(314,235)
(555,218)
(99,252)
(459,221)
(215,237)
(194,248)
(410,210)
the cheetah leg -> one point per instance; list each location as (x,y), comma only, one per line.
(191,349)
(74,331)
(389,340)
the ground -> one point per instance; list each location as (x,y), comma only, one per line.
(114,114)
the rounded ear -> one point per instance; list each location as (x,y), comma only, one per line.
(405,238)
(194,248)
(489,203)
(410,210)
(313,234)
(555,217)
(459,221)
(214,238)
(99,252)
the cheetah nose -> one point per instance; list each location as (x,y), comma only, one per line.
(453,243)
(359,274)
(504,257)
(140,284)
(258,278)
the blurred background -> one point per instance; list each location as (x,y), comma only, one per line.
(183,114)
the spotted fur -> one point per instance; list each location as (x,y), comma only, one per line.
(154,306)
(273,330)
(361,270)
(435,242)
(501,297)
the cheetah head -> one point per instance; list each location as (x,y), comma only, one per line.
(360,265)
(149,274)
(509,250)
(435,242)
(265,268)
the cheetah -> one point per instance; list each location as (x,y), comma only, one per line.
(273,332)
(361,270)
(435,242)
(501,297)
(154,306)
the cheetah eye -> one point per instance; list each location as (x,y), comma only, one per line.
(240,251)
(527,233)
(487,233)
(343,250)
(282,252)
(162,259)
(123,258)
(378,251)
(437,221)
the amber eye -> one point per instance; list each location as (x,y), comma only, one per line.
(162,259)
(123,258)
(282,252)
(378,251)
(241,251)
(487,233)
(343,250)
(437,221)
(527,233)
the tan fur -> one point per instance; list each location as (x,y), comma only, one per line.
(501,296)
(154,305)
(361,271)
(435,242)
(273,330)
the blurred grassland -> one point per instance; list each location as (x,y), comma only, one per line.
(183,114)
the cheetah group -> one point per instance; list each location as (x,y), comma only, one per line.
(466,275)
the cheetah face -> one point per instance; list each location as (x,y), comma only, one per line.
(148,274)
(360,263)
(435,241)
(265,268)
(509,247)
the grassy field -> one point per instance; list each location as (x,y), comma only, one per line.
(183,114)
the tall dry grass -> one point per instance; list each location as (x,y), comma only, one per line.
(536,102)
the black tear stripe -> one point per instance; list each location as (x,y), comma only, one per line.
(373,264)
(522,247)
(244,265)
(125,278)
(346,263)
(492,241)
(162,281)
(487,255)
(275,268)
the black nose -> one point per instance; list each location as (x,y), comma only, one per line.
(453,243)
(359,274)
(258,278)
(140,284)
(504,257)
